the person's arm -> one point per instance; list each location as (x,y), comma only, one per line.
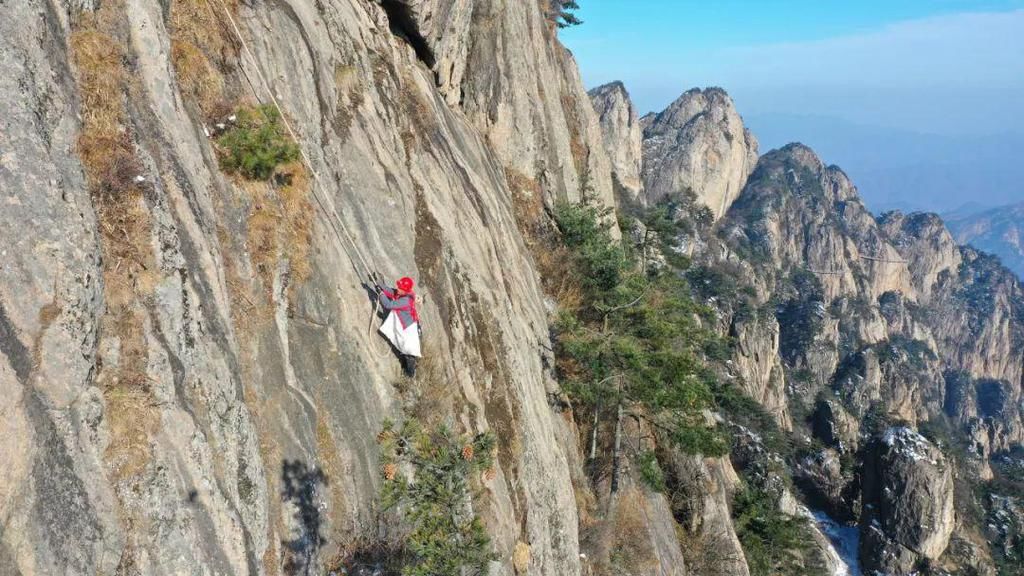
(394,301)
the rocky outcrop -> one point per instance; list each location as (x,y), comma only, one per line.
(622,136)
(839,241)
(880,320)
(704,488)
(698,143)
(499,61)
(759,366)
(908,495)
(927,245)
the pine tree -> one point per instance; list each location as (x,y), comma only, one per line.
(563,13)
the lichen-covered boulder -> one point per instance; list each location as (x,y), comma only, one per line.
(908,495)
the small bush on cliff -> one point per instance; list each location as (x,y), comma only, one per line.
(427,475)
(256,143)
(801,313)
(563,13)
(650,471)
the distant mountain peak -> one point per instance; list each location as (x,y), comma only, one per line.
(999,231)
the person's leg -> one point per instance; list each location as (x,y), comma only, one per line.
(409,364)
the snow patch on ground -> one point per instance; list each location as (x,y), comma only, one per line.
(909,442)
(845,543)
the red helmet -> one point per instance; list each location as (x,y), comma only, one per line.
(405,284)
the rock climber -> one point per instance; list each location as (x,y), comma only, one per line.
(402,325)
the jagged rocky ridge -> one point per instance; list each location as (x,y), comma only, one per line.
(852,331)
(189,383)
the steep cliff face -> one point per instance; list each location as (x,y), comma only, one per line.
(908,494)
(189,382)
(880,321)
(620,128)
(499,62)
(698,143)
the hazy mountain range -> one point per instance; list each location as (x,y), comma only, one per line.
(996,230)
(898,169)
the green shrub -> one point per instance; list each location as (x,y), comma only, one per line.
(650,471)
(446,536)
(773,542)
(741,409)
(256,143)
(801,315)
(563,13)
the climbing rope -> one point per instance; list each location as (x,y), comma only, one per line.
(332,215)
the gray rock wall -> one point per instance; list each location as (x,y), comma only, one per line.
(698,143)
(620,128)
(252,369)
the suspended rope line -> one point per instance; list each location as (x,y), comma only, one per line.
(332,215)
(825,272)
(883,260)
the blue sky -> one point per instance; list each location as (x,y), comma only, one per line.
(948,68)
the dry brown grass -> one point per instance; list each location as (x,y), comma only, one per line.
(541,236)
(107,152)
(202,48)
(197,77)
(631,545)
(430,395)
(586,505)
(579,150)
(521,557)
(132,421)
(262,240)
(280,226)
(298,220)
(100,73)
(247,309)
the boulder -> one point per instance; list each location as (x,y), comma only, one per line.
(908,502)
(620,128)
(698,143)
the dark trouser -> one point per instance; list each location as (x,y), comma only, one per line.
(409,365)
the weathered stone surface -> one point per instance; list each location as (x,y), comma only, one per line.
(698,143)
(499,61)
(622,136)
(908,496)
(705,487)
(254,379)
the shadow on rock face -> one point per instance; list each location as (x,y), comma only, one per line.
(300,487)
